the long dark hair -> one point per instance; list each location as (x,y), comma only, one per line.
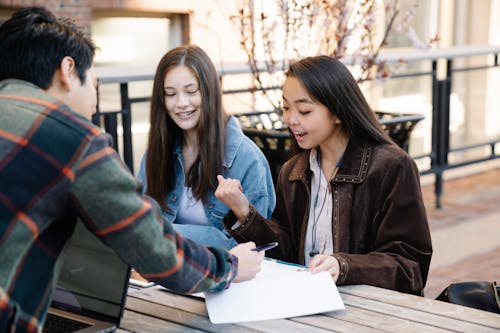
(164,133)
(33,43)
(329,82)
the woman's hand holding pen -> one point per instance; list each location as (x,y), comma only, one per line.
(230,193)
(322,262)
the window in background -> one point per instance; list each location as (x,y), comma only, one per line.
(130,41)
(129,45)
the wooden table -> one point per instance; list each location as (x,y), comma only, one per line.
(368,309)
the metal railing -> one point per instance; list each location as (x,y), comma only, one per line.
(441,95)
(442,61)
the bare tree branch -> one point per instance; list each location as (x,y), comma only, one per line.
(276,32)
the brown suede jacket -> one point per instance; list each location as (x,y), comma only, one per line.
(380,231)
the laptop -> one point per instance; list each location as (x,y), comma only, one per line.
(92,287)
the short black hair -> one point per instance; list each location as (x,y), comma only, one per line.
(33,42)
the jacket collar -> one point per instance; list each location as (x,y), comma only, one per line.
(234,137)
(352,169)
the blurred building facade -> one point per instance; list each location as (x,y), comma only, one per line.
(207,23)
(137,33)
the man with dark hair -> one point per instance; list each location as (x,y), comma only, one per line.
(56,167)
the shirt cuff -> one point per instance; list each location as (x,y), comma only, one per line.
(233,260)
(230,217)
(344,269)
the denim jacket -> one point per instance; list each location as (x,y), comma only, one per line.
(244,161)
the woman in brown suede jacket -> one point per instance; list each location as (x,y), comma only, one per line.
(350,202)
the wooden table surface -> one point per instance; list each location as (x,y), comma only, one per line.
(368,309)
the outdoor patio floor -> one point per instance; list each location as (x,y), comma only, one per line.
(465,231)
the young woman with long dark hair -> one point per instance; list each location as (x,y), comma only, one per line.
(191,141)
(350,201)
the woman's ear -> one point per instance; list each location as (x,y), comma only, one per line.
(66,72)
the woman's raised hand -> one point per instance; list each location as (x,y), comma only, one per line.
(230,193)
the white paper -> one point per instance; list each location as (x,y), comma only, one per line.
(278,291)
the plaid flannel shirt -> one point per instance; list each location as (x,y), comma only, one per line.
(56,167)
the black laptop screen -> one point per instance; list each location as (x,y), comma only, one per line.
(93,279)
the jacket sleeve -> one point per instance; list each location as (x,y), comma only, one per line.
(109,202)
(261,230)
(400,254)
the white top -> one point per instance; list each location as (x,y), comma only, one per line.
(191,211)
(319,234)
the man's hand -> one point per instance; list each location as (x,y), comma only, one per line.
(322,262)
(249,262)
(230,193)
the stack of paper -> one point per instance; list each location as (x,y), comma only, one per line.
(280,290)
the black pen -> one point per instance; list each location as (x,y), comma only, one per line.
(265,247)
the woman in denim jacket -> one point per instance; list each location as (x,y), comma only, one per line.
(190,142)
